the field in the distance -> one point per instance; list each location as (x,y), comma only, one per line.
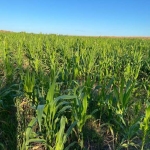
(67,92)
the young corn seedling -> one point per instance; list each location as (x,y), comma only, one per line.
(8,68)
(145,126)
(29,82)
(47,117)
(19,55)
(30,136)
(79,114)
(129,133)
(51,112)
(36,64)
(61,135)
(122,95)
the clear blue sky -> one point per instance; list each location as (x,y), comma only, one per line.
(77,17)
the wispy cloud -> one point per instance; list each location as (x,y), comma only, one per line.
(80,30)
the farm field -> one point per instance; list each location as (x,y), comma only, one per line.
(67,92)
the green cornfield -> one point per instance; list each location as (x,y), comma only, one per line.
(67,92)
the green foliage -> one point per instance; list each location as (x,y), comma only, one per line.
(145,125)
(56,83)
(29,82)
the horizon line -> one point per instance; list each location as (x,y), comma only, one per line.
(113,36)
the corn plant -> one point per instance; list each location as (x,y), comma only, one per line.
(19,55)
(8,67)
(79,113)
(122,95)
(30,136)
(29,82)
(145,126)
(61,136)
(130,134)
(51,112)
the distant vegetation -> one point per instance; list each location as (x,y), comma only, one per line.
(5,31)
(66,92)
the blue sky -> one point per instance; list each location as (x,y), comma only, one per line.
(77,17)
